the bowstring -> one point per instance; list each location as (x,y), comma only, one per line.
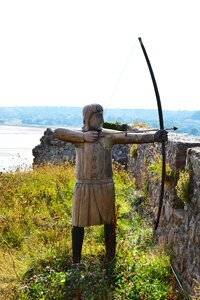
(122,72)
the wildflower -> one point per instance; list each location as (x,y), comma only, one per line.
(25,286)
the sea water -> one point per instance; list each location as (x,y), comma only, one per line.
(16,144)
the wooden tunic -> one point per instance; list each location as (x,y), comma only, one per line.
(94,194)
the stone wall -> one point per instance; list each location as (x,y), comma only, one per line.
(52,151)
(179,227)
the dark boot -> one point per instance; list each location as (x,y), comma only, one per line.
(77,242)
(110,241)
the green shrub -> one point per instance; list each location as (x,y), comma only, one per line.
(115,126)
(133,151)
(156,169)
(183,187)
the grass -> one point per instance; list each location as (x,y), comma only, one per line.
(35,243)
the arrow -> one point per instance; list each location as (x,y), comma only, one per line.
(156,129)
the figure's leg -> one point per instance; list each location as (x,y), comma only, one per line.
(110,240)
(77,242)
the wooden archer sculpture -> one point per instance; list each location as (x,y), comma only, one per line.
(94,193)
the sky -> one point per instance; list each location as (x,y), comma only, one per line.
(73,53)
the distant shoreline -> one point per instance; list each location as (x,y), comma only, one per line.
(25,126)
(16,146)
(71,117)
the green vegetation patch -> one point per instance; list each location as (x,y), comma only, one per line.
(184,187)
(133,151)
(35,244)
(156,169)
(115,126)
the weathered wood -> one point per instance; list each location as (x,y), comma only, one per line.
(94,194)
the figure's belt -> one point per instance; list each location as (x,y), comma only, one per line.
(95,181)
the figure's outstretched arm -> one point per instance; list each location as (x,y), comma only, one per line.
(69,135)
(140,138)
(75,136)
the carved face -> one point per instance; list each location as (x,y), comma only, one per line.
(96,121)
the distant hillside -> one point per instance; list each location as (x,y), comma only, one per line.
(196,115)
(187,121)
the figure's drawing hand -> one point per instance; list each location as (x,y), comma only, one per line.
(90,136)
(161,136)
